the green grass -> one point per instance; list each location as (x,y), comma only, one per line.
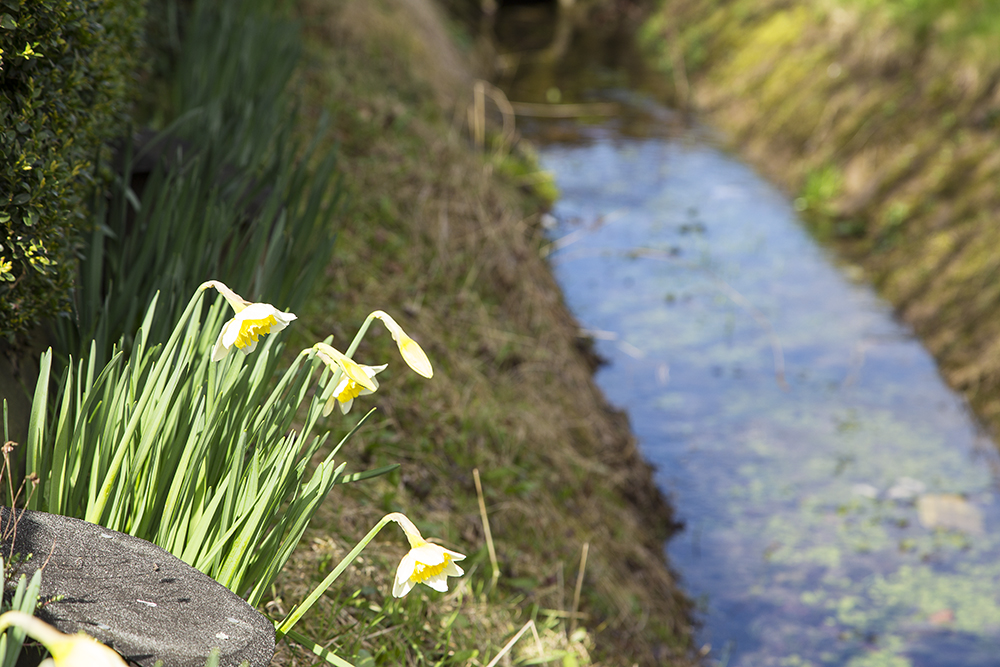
(949,20)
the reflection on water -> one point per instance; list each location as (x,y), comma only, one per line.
(840,506)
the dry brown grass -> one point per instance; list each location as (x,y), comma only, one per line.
(435,238)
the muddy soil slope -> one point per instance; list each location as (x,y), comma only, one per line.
(434,232)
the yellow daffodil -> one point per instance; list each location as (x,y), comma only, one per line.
(412,354)
(424,563)
(347,389)
(252,321)
(77,650)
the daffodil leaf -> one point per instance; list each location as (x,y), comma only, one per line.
(367,474)
(322,652)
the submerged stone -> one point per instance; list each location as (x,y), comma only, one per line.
(949,512)
(132,595)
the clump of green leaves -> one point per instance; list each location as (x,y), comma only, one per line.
(196,456)
(230,196)
(65,79)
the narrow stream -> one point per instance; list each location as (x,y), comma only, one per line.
(840,504)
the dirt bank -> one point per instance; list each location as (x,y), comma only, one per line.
(432,233)
(885,127)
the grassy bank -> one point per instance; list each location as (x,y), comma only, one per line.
(432,234)
(882,119)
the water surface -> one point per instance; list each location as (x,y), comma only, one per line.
(839,502)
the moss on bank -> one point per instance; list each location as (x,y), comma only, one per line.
(432,235)
(885,126)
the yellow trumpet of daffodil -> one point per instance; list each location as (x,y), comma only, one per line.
(77,650)
(412,354)
(424,563)
(252,321)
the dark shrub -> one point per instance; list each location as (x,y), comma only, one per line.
(67,75)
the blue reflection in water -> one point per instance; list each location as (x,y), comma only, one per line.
(839,501)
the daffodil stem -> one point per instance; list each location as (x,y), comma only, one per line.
(359,336)
(298,612)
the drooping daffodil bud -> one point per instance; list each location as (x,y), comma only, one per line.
(412,354)
(347,389)
(252,321)
(79,650)
(424,563)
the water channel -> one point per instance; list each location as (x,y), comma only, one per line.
(840,504)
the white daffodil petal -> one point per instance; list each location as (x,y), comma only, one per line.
(401,588)
(284,319)
(438,582)
(328,407)
(220,350)
(230,332)
(430,554)
(402,583)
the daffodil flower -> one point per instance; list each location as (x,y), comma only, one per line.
(77,650)
(350,369)
(408,348)
(347,389)
(424,563)
(252,321)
